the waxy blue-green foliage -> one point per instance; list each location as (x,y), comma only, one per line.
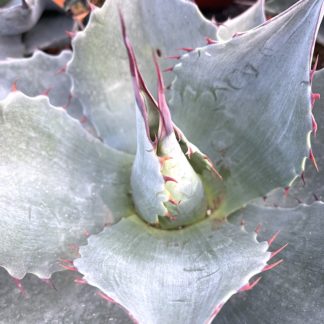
(153,180)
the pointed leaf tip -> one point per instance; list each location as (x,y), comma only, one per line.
(242,67)
(166,127)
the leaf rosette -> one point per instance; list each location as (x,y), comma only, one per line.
(161,183)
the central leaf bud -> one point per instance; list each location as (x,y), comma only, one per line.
(167,190)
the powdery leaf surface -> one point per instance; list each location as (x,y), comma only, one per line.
(59,185)
(257,140)
(180,276)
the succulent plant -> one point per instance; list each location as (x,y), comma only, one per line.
(143,181)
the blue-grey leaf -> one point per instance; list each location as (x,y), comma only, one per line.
(58,185)
(223,101)
(180,276)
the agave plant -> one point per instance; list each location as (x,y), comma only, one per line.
(144,183)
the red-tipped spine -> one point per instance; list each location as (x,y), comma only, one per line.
(210,41)
(314,98)
(274,253)
(273,238)
(258,229)
(312,158)
(250,286)
(14,86)
(271,266)
(314,125)
(169,179)
(166,127)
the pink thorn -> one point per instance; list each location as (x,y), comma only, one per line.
(80,281)
(258,229)
(174,202)
(46,92)
(70,268)
(70,34)
(273,238)
(105,297)
(137,79)
(271,266)
(211,165)
(19,285)
(14,86)
(312,73)
(250,286)
(312,158)
(167,178)
(176,57)
(274,253)
(314,125)
(169,69)
(286,191)
(210,41)
(67,261)
(166,127)
(186,49)
(315,97)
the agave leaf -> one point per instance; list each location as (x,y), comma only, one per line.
(50,32)
(148,185)
(39,74)
(178,276)
(252,17)
(57,183)
(11,46)
(309,187)
(293,292)
(100,59)
(18,16)
(60,300)
(237,120)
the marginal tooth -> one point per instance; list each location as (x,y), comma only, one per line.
(271,266)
